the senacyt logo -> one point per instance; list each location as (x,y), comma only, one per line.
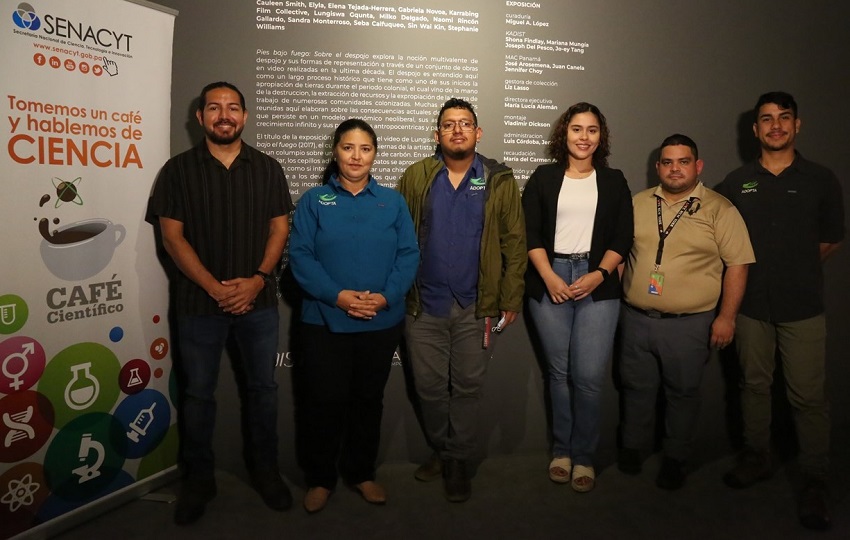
(25,17)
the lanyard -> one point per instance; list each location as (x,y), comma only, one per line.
(664,233)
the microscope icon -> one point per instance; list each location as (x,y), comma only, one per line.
(87,446)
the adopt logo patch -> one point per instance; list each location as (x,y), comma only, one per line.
(327,199)
(750,187)
(477,184)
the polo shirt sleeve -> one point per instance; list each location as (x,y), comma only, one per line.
(306,267)
(733,239)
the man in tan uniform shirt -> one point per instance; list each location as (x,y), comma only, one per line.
(691,249)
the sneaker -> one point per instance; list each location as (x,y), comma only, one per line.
(272,489)
(672,474)
(812,505)
(628,461)
(753,466)
(195,493)
(430,470)
(456,481)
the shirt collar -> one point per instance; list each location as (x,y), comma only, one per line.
(798,164)
(206,154)
(370,188)
(697,193)
(475,171)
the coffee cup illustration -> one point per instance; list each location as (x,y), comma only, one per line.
(80,250)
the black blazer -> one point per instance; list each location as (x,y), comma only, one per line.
(613,223)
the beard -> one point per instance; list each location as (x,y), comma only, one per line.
(457,154)
(221,139)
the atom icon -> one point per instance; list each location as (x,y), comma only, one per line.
(67,191)
(20,492)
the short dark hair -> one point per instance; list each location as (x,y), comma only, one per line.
(202,99)
(557,148)
(783,100)
(677,139)
(457,103)
(347,125)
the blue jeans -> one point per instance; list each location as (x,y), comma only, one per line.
(202,339)
(577,339)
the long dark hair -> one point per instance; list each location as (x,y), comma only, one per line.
(558,141)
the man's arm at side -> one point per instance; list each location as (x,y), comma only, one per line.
(187,260)
(734,285)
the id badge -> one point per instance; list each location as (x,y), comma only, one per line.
(656,283)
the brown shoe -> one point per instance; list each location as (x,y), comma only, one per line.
(753,466)
(430,470)
(372,491)
(316,499)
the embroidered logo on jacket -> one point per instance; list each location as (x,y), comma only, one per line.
(750,187)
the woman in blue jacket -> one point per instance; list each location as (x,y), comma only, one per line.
(354,253)
(578,215)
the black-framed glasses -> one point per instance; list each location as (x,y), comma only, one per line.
(449,126)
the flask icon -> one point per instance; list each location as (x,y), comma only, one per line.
(83,388)
(135,379)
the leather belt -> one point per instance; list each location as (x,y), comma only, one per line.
(573,256)
(654,314)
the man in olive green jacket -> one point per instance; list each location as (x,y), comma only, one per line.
(468,217)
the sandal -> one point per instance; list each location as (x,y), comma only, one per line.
(559,469)
(584,478)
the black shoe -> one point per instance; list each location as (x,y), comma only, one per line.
(753,466)
(196,492)
(672,474)
(812,505)
(628,461)
(272,489)
(430,470)
(456,481)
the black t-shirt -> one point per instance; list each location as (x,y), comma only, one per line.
(787,216)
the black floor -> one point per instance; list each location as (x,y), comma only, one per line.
(512,498)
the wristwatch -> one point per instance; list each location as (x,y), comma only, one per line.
(267,279)
(604,273)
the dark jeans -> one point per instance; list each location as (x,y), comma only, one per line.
(202,340)
(344,376)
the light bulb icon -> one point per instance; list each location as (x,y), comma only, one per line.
(83,388)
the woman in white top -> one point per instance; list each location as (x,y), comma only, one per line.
(579,224)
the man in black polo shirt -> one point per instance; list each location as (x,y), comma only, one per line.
(222,208)
(794,213)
